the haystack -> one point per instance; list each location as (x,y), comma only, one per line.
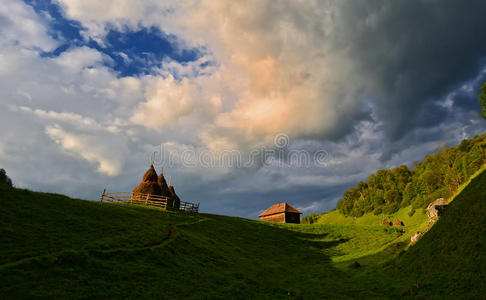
(397,222)
(176,200)
(163,186)
(385,222)
(165,190)
(149,184)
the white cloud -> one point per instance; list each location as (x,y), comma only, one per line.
(19,25)
(275,73)
(167,102)
(94,15)
(77,92)
(76,59)
(94,149)
(72,118)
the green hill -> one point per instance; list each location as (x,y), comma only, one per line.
(452,254)
(438,176)
(56,247)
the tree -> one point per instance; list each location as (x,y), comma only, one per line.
(438,176)
(482,100)
(4,179)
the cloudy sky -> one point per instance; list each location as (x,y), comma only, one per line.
(242,103)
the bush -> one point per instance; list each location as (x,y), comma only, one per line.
(4,179)
(310,219)
(390,209)
(412,212)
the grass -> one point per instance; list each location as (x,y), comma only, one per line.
(452,254)
(52,246)
(334,217)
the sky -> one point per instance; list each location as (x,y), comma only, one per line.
(242,104)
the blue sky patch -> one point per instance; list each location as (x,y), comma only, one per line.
(133,52)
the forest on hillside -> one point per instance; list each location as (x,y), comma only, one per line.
(438,176)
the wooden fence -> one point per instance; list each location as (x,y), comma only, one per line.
(147,199)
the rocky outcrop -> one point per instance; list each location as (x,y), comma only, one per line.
(416,236)
(436,209)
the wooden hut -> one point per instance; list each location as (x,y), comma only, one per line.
(281,213)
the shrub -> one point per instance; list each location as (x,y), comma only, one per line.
(4,179)
(412,212)
(310,219)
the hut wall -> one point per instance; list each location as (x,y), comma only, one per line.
(279,218)
(291,217)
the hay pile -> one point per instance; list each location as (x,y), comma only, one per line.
(156,185)
(176,200)
(163,185)
(149,184)
(397,222)
(165,190)
(385,222)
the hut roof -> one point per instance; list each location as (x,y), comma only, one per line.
(279,208)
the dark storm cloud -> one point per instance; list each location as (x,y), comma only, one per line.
(413,53)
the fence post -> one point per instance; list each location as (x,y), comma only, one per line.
(146,199)
(102,195)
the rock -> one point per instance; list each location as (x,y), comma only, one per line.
(436,209)
(416,237)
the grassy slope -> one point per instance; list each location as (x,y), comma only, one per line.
(452,254)
(334,217)
(52,246)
